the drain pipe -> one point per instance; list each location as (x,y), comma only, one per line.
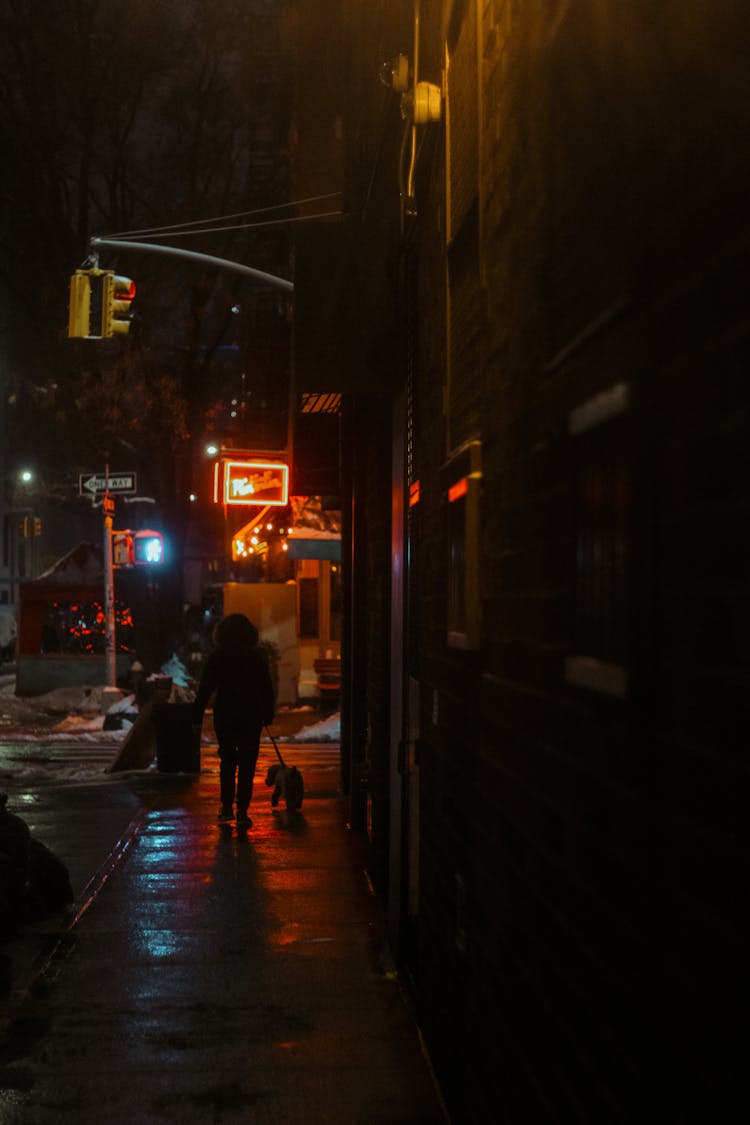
(415,80)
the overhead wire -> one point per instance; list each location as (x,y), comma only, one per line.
(224,218)
(182,233)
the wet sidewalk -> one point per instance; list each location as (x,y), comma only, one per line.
(208,973)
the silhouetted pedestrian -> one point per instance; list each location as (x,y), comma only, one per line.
(236,674)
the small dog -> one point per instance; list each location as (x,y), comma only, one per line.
(286,782)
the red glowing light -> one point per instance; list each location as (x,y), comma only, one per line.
(124,288)
(459,489)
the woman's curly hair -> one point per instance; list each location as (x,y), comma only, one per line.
(236,631)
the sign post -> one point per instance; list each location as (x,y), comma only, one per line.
(108,510)
(91,484)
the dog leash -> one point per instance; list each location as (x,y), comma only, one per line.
(278,752)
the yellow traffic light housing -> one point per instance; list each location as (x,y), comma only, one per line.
(99,296)
(117,295)
(79,309)
(122,548)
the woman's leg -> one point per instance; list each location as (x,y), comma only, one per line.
(227,764)
(227,771)
(248,745)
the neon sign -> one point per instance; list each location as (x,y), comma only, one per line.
(252,482)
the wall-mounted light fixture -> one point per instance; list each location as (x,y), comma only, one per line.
(422,105)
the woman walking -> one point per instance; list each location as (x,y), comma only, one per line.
(237,676)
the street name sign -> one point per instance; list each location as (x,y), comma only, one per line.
(91,483)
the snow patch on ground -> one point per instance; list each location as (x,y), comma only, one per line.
(327,730)
(41,736)
(41,709)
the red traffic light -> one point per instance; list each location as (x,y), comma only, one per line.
(124,288)
(117,295)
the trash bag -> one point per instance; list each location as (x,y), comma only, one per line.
(49,886)
(34,882)
(15,841)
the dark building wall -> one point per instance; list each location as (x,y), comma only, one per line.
(574,306)
(368,425)
(346,313)
(580,836)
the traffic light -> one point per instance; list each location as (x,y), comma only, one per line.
(79,308)
(117,296)
(122,548)
(101,298)
(148,547)
(139,548)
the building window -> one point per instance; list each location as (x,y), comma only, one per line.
(463,478)
(457,615)
(601,498)
(80,628)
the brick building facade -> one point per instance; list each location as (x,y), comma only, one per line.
(539,336)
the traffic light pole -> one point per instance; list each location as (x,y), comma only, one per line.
(108,506)
(191,256)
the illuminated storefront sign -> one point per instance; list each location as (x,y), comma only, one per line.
(251,482)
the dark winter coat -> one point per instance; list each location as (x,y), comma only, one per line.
(239,679)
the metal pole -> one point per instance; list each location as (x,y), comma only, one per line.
(194,256)
(109,588)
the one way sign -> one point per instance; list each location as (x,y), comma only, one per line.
(91,483)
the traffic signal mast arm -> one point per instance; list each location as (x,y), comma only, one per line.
(193,256)
(104,297)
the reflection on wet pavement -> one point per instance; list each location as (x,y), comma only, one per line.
(217,974)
